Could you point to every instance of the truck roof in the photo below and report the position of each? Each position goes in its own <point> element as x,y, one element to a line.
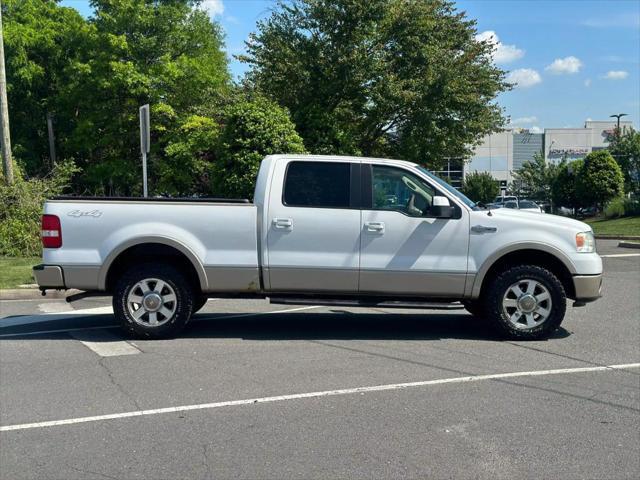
<point>333,158</point>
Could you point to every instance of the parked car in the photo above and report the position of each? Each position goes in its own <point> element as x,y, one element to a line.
<point>326,231</point>
<point>500,201</point>
<point>526,205</point>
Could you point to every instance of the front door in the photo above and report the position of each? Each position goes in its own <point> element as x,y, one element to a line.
<point>313,241</point>
<point>404,250</point>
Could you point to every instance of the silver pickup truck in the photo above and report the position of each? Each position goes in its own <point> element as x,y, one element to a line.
<point>326,231</point>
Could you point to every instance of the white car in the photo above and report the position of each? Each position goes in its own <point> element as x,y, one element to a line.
<point>324,230</point>
<point>526,205</point>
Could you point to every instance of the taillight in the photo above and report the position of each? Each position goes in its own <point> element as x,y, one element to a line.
<point>51,231</point>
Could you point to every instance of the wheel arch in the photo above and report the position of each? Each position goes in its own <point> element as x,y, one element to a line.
<point>543,255</point>
<point>151,249</point>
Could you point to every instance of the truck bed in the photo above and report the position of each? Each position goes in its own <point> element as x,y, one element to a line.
<point>218,236</point>
<point>151,199</point>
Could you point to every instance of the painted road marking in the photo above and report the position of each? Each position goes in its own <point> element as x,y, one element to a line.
<point>53,307</point>
<point>64,330</point>
<point>104,343</point>
<point>29,319</point>
<point>326,393</point>
<point>616,255</point>
<point>50,317</point>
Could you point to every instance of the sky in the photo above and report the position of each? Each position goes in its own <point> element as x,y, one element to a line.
<point>571,60</point>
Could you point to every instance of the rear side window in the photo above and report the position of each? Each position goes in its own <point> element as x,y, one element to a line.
<point>317,184</point>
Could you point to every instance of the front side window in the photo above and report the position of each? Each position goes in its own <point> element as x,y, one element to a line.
<point>317,184</point>
<point>397,189</point>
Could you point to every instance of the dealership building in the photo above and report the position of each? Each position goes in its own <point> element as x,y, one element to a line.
<point>504,152</point>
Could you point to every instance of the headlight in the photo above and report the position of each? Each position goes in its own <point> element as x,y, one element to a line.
<point>585,242</point>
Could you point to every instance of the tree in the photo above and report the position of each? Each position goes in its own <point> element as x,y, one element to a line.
<point>44,46</point>
<point>480,187</point>
<point>563,187</point>
<point>94,74</point>
<point>600,179</point>
<point>253,128</point>
<point>535,178</point>
<point>184,168</point>
<point>379,77</point>
<point>625,148</point>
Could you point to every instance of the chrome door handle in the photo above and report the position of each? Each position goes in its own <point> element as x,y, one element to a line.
<point>483,229</point>
<point>283,223</point>
<point>377,227</point>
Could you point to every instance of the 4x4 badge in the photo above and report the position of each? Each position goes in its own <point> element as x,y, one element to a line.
<point>79,213</point>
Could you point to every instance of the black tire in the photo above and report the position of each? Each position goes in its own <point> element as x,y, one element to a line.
<point>181,309</point>
<point>474,307</point>
<point>199,302</point>
<point>493,303</point>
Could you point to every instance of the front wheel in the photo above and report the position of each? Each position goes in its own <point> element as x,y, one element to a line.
<point>153,301</point>
<point>525,302</point>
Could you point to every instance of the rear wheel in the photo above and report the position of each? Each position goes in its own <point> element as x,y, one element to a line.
<point>153,301</point>
<point>525,302</point>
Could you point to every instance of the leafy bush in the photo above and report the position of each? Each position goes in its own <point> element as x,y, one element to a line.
<point>615,208</point>
<point>563,186</point>
<point>631,207</point>
<point>480,187</point>
<point>600,179</point>
<point>252,129</point>
<point>184,169</point>
<point>21,207</point>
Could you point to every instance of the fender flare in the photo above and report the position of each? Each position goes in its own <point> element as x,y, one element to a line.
<point>514,247</point>
<point>170,242</point>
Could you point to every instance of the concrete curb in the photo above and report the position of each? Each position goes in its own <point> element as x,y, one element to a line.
<point>33,294</point>
<point>617,237</point>
<point>629,244</point>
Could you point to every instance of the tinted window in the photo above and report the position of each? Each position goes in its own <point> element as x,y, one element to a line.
<point>527,204</point>
<point>317,184</point>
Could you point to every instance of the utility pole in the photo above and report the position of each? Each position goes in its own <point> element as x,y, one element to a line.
<point>7,163</point>
<point>52,144</point>
<point>145,144</point>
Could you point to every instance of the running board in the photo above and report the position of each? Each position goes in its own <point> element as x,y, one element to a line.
<point>370,303</point>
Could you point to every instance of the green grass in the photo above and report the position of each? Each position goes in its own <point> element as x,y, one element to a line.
<point>615,226</point>
<point>16,271</point>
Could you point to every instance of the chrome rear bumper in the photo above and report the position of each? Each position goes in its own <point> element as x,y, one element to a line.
<point>48,276</point>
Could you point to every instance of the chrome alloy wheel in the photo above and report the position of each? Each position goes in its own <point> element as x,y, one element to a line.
<point>527,304</point>
<point>152,302</point>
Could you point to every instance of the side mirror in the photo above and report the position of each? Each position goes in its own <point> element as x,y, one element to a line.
<point>441,208</point>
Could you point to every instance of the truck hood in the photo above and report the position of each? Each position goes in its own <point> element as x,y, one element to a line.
<point>544,219</point>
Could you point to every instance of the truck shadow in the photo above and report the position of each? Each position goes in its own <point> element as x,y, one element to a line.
<point>344,325</point>
<point>336,325</point>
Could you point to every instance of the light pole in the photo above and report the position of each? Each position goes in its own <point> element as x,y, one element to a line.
<point>618,116</point>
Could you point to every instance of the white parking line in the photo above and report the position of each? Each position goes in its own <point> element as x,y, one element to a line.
<point>616,255</point>
<point>28,319</point>
<point>64,330</point>
<point>326,393</point>
<point>50,317</point>
<point>105,344</point>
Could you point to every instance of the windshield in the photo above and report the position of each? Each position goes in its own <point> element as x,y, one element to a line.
<point>454,191</point>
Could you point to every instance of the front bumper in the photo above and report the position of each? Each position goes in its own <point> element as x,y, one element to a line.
<point>588,288</point>
<point>48,276</point>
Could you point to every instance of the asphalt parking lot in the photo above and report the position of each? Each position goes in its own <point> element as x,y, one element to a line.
<point>253,390</point>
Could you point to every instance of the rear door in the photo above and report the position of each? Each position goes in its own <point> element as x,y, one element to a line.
<point>313,238</point>
<point>404,249</point>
